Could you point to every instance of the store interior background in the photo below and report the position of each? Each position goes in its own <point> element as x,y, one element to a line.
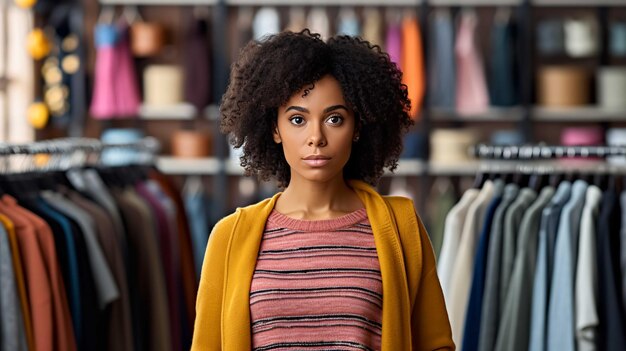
<point>566,72</point>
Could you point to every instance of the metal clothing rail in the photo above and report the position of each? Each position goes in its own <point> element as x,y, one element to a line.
<point>69,145</point>
<point>538,152</point>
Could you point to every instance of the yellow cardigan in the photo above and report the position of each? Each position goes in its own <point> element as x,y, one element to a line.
<point>414,312</point>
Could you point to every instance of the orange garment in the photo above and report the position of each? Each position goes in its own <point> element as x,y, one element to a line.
<point>412,63</point>
<point>37,280</point>
<point>63,329</point>
<point>19,277</point>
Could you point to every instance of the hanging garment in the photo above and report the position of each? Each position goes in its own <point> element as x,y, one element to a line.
<point>491,225</point>
<point>623,250</point>
<point>190,283</point>
<point>492,307</point>
<point>106,287</point>
<point>471,90</point>
<point>120,323</point>
<point>543,271</point>
<point>318,22</point>
<point>393,42</point>
<point>462,272</point>
<point>126,87</point>
<point>19,280</point>
<point>561,326</point>
<point>514,327</point>
<point>442,70</point>
<point>266,22</point>
<point>297,19</point>
<point>443,199</point>
<point>149,275</point>
<point>12,330</point>
<point>412,62</point>
<point>43,282</point>
<point>169,256</point>
<point>81,290</point>
<point>503,85</point>
<point>611,334</point>
<point>348,23</point>
<point>176,244</point>
<point>196,207</point>
<point>243,34</point>
<point>67,253</point>
<point>373,26</point>
<point>197,65</point>
<point>89,182</point>
<point>512,220</point>
<point>451,238</point>
<point>586,288</point>
<point>103,98</point>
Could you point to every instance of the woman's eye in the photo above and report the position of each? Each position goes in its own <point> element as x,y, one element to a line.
<point>335,120</point>
<point>297,120</point>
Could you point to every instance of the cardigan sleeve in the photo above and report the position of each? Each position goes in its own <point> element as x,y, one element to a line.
<point>207,333</point>
<point>430,325</point>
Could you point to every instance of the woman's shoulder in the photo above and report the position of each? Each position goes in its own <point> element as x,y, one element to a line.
<point>252,211</point>
<point>400,203</point>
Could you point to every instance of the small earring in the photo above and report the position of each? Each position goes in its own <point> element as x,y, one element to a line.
<point>356,138</point>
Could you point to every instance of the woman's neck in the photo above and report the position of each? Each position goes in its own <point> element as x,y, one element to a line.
<point>304,199</point>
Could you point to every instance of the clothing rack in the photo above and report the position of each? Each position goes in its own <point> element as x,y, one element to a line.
<point>66,153</point>
<point>535,152</point>
<point>65,145</point>
<point>544,159</point>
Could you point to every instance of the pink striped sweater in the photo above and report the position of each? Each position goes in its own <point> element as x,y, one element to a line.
<point>317,285</point>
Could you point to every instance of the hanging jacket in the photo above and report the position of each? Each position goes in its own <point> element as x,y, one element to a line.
<point>414,315</point>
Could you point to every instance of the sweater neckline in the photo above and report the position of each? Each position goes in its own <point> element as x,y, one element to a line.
<point>346,220</point>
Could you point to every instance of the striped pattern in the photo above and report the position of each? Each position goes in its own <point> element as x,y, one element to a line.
<point>317,285</point>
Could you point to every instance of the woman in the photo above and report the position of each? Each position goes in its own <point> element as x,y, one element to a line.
<point>327,263</point>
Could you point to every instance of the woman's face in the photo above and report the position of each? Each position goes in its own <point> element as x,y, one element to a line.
<point>316,131</point>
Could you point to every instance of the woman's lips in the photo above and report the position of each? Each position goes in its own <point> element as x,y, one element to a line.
<point>316,162</point>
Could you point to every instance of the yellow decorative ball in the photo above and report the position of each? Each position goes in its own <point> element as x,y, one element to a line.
<point>37,44</point>
<point>38,115</point>
<point>25,3</point>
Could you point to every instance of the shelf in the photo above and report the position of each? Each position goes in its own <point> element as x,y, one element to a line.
<point>233,167</point>
<point>475,2</point>
<point>159,2</point>
<point>578,114</point>
<point>366,2</point>
<point>460,168</point>
<point>512,114</point>
<point>188,166</point>
<point>181,111</point>
<point>586,3</point>
<point>408,167</point>
<point>325,2</point>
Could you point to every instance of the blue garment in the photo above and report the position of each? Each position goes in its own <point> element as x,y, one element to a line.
<point>474,306</point>
<point>196,208</point>
<point>612,328</point>
<point>541,285</point>
<point>503,87</point>
<point>442,73</point>
<point>561,326</point>
<point>73,291</point>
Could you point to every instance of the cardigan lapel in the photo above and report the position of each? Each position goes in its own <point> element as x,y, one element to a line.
<point>241,258</point>
<point>396,303</point>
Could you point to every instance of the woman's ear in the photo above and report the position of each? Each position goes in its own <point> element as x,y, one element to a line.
<point>276,135</point>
